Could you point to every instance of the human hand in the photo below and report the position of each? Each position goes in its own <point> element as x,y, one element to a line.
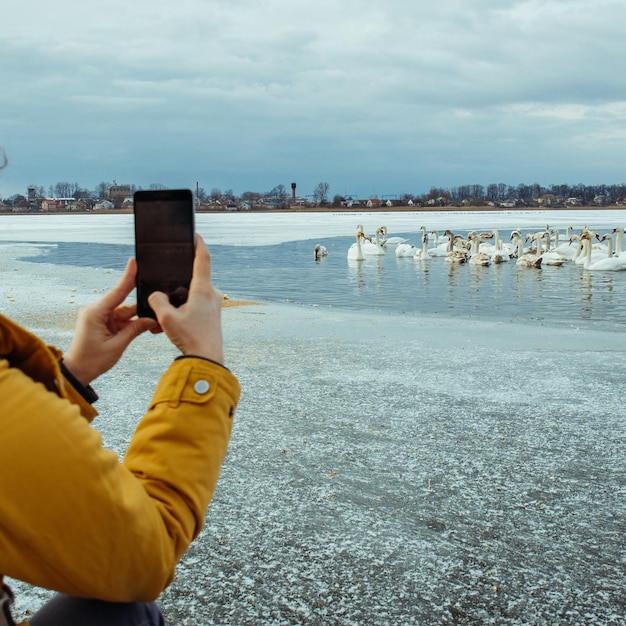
<point>104,330</point>
<point>195,327</point>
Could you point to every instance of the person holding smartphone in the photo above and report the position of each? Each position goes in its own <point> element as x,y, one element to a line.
<point>107,534</point>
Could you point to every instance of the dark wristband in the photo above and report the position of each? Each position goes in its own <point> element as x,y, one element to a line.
<point>193,356</point>
<point>86,392</point>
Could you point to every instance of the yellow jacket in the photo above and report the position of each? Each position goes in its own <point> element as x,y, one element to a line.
<point>75,519</point>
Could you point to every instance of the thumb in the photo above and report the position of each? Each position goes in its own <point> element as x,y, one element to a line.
<point>133,330</point>
<point>142,324</point>
<point>158,302</point>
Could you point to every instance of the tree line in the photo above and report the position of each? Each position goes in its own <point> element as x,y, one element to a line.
<point>279,195</point>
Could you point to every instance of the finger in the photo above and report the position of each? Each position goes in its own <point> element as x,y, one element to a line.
<point>132,330</point>
<point>201,279</point>
<point>159,303</point>
<point>142,324</point>
<point>125,312</point>
<point>120,292</point>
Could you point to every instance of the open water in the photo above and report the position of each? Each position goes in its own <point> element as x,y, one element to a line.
<point>270,258</point>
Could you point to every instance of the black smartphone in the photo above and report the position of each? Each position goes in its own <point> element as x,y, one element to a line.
<point>164,245</point>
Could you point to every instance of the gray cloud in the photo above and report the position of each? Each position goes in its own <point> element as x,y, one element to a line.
<point>367,95</point>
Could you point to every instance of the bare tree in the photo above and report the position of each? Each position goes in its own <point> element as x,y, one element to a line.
<point>63,189</point>
<point>320,193</point>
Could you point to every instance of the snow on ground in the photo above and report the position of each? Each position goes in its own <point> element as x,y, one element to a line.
<point>386,469</point>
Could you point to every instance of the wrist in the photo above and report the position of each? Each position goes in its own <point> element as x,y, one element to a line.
<point>74,368</point>
<point>204,358</point>
<point>85,390</point>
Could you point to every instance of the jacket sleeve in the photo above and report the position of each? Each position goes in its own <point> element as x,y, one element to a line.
<point>77,520</point>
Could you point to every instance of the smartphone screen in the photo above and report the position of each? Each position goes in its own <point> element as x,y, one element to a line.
<point>164,245</point>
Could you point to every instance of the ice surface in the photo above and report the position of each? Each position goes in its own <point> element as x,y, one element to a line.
<point>272,228</point>
<point>385,469</point>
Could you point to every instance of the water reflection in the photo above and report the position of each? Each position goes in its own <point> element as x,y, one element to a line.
<point>586,282</point>
<point>566,294</point>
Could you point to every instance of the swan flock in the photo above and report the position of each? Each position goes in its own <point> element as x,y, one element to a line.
<point>534,250</point>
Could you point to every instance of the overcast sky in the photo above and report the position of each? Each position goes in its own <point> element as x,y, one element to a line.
<point>374,97</point>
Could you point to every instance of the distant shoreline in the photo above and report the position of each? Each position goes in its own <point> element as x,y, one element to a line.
<point>354,210</point>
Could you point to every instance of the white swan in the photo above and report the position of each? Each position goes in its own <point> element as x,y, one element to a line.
<point>548,256</point>
<point>440,241</point>
<point>450,238</point>
<point>422,254</point>
<point>457,252</point>
<point>587,249</point>
<point>405,250</point>
<point>476,256</point>
<point>610,263</point>
<point>498,252</point>
<point>440,245</point>
<point>373,249</point>
<point>392,241</point>
<point>566,250</point>
<point>355,251</point>
<point>618,240</point>
<point>515,234</point>
<point>319,251</point>
<point>525,259</point>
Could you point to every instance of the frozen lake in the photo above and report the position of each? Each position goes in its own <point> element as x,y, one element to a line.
<point>269,257</point>
<point>386,467</point>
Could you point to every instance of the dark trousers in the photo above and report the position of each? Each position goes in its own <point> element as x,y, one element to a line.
<point>64,610</point>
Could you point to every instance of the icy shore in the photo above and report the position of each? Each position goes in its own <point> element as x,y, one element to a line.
<point>385,469</point>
